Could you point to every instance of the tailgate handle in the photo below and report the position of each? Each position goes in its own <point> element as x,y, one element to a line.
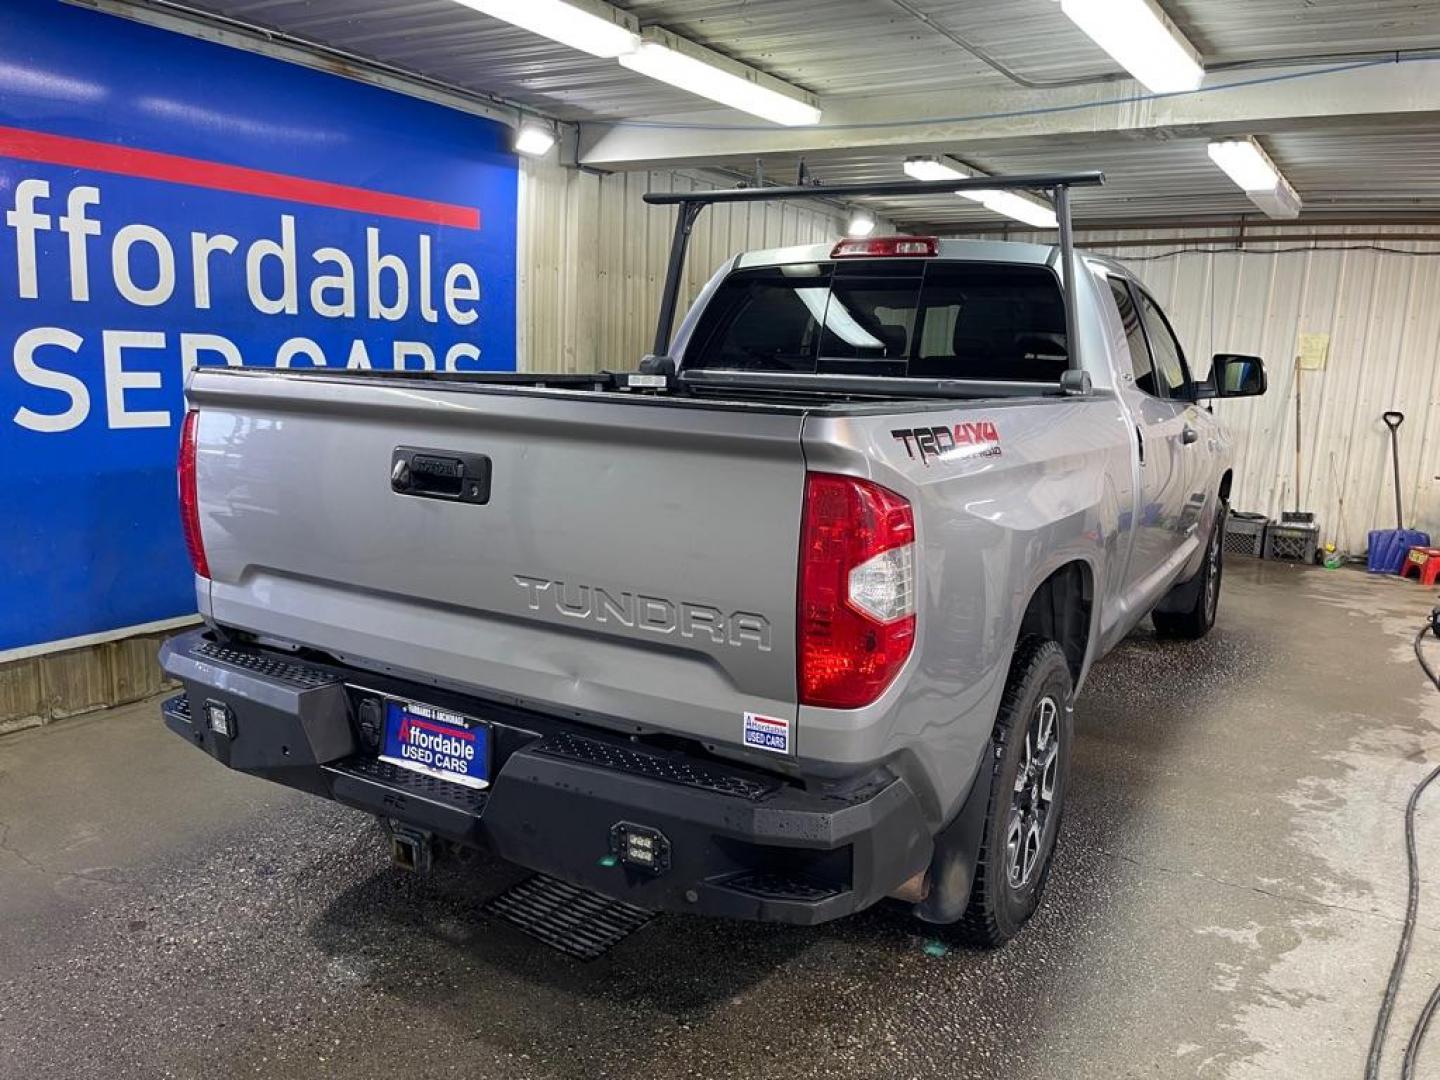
<point>440,474</point>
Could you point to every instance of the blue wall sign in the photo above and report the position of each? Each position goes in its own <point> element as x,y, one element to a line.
<point>169,202</point>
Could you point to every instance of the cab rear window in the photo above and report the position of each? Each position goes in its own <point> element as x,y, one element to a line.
<point>890,317</point>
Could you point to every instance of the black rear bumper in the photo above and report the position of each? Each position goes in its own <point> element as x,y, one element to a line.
<point>563,797</point>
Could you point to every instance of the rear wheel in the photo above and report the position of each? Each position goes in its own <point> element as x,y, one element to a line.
<point>1033,733</point>
<point>1196,621</point>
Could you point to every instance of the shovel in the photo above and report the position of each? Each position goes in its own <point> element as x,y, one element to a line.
<point>1393,420</point>
<point>1388,547</point>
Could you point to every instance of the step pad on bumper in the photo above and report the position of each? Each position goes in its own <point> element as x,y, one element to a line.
<point>300,675</point>
<point>655,765</point>
<point>433,788</point>
<point>574,921</point>
<point>782,886</point>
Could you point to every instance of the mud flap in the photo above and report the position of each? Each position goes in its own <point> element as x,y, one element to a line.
<point>957,847</point>
<point>1184,596</point>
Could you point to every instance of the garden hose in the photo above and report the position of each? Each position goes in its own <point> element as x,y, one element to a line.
<point>1412,904</point>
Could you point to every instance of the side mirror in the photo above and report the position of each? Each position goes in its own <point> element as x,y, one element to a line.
<point>1234,375</point>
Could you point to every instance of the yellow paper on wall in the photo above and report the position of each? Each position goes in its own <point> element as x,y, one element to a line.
<point>1314,348</point>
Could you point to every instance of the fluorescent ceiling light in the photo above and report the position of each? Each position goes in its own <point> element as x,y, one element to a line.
<point>1021,207</point>
<point>1011,204</point>
<point>1246,163</point>
<point>671,59</point>
<point>592,27</point>
<point>945,167</point>
<point>936,168</point>
<point>533,140</point>
<point>1142,39</point>
<point>862,223</point>
<point>1282,203</point>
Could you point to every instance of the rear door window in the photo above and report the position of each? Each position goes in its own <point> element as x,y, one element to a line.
<point>1164,346</point>
<point>1141,364</point>
<point>892,317</point>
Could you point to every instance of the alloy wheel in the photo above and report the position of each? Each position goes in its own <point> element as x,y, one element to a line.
<point>1212,578</point>
<point>1033,800</point>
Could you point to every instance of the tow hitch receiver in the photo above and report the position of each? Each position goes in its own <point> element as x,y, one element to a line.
<point>411,849</point>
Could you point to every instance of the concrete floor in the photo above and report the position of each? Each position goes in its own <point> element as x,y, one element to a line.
<point>1226,904</point>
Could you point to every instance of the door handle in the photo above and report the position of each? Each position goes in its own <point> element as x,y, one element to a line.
<point>1140,443</point>
<point>1189,435</point>
<point>440,474</point>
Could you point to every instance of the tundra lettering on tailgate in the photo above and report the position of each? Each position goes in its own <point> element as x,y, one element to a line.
<point>652,614</point>
<point>968,439</point>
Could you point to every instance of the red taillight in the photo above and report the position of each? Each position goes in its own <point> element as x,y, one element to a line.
<point>872,246</point>
<point>857,590</point>
<point>189,497</point>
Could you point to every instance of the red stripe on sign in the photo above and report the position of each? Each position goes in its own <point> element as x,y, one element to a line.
<point>152,165</point>
<point>439,729</point>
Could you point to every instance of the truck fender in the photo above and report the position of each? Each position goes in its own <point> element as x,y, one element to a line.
<point>1043,572</point>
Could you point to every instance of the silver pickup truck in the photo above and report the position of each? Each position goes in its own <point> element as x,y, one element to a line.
<point>789,621</point>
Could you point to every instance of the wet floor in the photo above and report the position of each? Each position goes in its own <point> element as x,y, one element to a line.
<point>1226,903</point>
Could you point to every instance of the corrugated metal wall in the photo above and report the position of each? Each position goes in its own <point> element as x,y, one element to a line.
<point>592,258</point>
<point>1381,309</point>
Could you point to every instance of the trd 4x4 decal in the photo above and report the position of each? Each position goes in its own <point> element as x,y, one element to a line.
<point>968,439</point>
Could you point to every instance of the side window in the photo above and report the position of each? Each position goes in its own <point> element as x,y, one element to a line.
<point>1139,349</point>
<point>1169,357</point>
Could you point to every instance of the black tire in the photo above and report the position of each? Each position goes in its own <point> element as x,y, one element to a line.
<point>1009,880</point>
<point>1195,623</point>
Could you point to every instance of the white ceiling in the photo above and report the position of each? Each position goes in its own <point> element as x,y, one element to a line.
<point>854,53</point>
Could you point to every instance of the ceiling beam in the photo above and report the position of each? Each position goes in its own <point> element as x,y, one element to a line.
<point>1264,100</point>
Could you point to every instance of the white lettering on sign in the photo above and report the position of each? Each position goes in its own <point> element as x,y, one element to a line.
<point>194,346</point>
<point>143,264</point>
<point>379,266</point>
<point>30,370</point>
<point>27,221</point>
<point>284,273</point>
<point>76,227</point>
<point>461,283</point>
<point>119,381</point>
<point>457,352</point>
<point>122,265</point>
<point>342,283</point>
<point>359,359</point>
<point>300,346</point>
<point>201,246</point>
<point>404,350</point>
<point>427,307</point>
<point>283,251</point>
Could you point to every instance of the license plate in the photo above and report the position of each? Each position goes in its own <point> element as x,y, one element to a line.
<point>437,743</point>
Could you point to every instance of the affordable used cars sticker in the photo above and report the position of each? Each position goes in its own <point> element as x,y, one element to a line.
<point>767,733</point>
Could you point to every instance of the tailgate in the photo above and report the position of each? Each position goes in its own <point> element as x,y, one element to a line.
<point>635,561</point>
